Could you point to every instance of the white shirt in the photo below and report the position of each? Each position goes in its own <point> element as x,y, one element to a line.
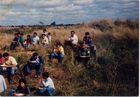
<point>2,84</point>
<point>48,83</point>
<point>35,39</point>
<point>75,39</point>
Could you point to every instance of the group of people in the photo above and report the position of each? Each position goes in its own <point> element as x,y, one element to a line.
<point>19,39</point>
<point>84,53</point>
<point>9,63</point>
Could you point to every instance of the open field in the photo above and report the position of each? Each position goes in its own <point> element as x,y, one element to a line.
<point>114,73</point>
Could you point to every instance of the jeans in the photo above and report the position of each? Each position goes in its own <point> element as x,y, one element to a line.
<point>37,67</point>
<point>45,44</point>
<point>58,56</point>
<point>28,45</point>
<point>11,70</point>
<point>22,44</point>
<point>47,92</point>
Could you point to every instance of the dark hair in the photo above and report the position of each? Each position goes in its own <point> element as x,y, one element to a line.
<point>28,36</point>
<point>5,54</point>
<point>45,74</point>
<point>44,30</point>
<point>87,33</point>
<point>72,31</point>
<point>35,54</point>
<point>22,80</point>
<point>43,34</point>
<point>0,55</point>
<point>18,33</point>
<point>21,34</point>
<point>49,33</point>
<point>58,43</point>
<point>35,33</point>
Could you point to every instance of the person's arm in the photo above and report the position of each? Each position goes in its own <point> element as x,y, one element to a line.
<point>13,62</point>
<point>27,92</point>
<point>17,89</point>
<point>91,42</point>
<point>41,60</point>
<point>45,84</point>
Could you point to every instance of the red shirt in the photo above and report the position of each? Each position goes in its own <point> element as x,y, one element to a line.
<point>1,60</point>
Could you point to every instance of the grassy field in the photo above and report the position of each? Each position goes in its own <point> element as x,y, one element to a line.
<point>114,73</point>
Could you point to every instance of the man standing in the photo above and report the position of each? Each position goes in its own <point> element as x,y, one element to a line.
<point>58,52</point>
<point>35,62</point>
<point>10,65</point>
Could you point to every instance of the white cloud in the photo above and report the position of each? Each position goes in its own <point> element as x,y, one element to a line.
<point>83,2</point>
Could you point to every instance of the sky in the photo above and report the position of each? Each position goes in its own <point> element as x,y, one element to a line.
<point>31,12</point>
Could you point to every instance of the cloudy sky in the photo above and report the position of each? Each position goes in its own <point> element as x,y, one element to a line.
<point>30,12</point>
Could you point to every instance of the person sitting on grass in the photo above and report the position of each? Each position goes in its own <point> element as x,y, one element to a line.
<point>49,36</point>
<point>10,65</point>
<point>2,84</point>
<point>35,39</point>
<point>89,44</point>
<point>84,55</point>
<point>1,59</point>
<point>48,84</point>
<point>35,62</point>
<point>45,32</point>
<point>28,41</point>
<point>21,90</point>
<point>73,39</point>
<point>14,42</point>
<point>58,52</point>
<point>44,40</point>
<point>21,40</point>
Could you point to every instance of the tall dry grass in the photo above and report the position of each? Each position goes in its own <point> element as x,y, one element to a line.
<point>117,47</point>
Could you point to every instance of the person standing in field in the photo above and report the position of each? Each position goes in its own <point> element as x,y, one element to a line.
<point>48,84</point>
<point>10,65</point>
<point>58,52</point>
<point>35,39</point>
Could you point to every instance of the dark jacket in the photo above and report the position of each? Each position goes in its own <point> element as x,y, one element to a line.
<point>26,90</point>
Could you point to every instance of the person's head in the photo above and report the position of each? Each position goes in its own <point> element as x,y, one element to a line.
<point>22,82</point>
<point>35,34</point>
<point>6,56</point>
<point>87,34</point>
<point>45,75</point>
<point>58,44</point>
<point>43,36</point>
<point>28,36</point>
<point>35,55</point>
<point>44,30</point>
<point>21,34</point>
<point>72,33</point>
<point>84,46</point>
<point>49,33</point>
<point>0,55</point>
<point>16,35</point>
